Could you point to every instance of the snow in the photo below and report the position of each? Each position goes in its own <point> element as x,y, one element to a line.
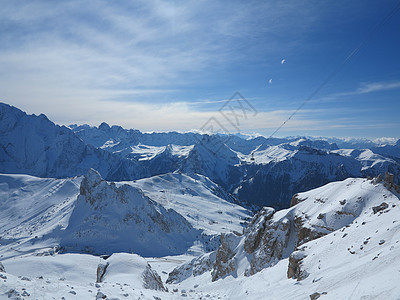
<point>359,258</point>
<point>198,199</point>
<point>178,223</point>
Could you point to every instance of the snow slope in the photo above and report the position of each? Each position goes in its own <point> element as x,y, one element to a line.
<point>202,202</point>
<point>31,208</point>
<point>108,218</point>
<point>95,216</point>
<point>342,239</point>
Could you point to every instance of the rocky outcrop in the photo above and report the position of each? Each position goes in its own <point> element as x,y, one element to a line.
<point>265,241</point>
<point>272,236</point>
<point>196,267</point>
<point>224,262</point>
<point>380,207</point>
<point>125,218</point>
<point>2,269</point>
<point>294,267</point>
<point>390,184</point>
<point>101,270</point>
<point>152,281</point>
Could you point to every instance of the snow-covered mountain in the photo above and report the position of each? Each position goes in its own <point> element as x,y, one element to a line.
<point>258,171</point>
<point>88,214</point>
<point>167,221</point>
<point>108,218</point>
<point>34,145</point>
<point>339,239</point>
<point>202,202</point>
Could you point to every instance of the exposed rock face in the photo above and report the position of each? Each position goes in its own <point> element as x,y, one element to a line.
<point>379,208</point>
<point>152,281</point>
<point>196,267</point>
<point>101,270</point>
<point>265,241</point>
<point>294,267</point>
<point>271,236</point>
<point>390,184</point>
<point>295,200</point>
<point>224,264</point>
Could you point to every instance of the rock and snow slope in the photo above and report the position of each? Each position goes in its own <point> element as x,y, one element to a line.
<point>202,202</point>
<point>354,221</point>
<point>339,241</point>
<point>31,208</point>
<point>93,215</point>
<point>108,218</point>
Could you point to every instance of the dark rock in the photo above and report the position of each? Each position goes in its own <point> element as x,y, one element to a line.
<point>294,267</point>
<point>382,206</point>
<point>2,269</point>
<point>315,296</point>
<point>101,270</point>
<point>100,296</point>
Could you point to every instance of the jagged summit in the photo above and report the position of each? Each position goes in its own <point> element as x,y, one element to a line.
<point>109,218</point>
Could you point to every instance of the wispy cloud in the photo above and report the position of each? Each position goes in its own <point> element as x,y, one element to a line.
<point>128,62</point>
<point>146,44</point>
<point>377,87</point>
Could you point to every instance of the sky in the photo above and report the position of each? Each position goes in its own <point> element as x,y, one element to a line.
<point>221,66</point>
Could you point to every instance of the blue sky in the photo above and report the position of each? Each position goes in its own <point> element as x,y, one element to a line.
<point>171,65</point>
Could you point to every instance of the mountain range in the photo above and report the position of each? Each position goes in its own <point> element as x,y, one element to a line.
<point>256,171</point>
<point>110,213</point>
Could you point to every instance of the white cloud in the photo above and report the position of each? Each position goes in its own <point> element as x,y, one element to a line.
<point>377,87</point>
<point>75,62</point>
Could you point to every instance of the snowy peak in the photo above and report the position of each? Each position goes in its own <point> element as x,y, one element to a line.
<point>109,218</point>
<point>91,180</point>
<point>36,146</point>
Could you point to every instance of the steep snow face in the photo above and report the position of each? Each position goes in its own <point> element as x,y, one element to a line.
<point>272,236</point>
<point>34,145</point>
<point>109,218</point>
<point>202,202</point>
<point>31,208</point>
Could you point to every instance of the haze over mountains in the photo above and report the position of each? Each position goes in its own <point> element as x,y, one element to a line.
<point>106,212</point>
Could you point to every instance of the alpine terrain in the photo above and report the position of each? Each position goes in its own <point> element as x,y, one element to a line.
<point>111,213</point>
